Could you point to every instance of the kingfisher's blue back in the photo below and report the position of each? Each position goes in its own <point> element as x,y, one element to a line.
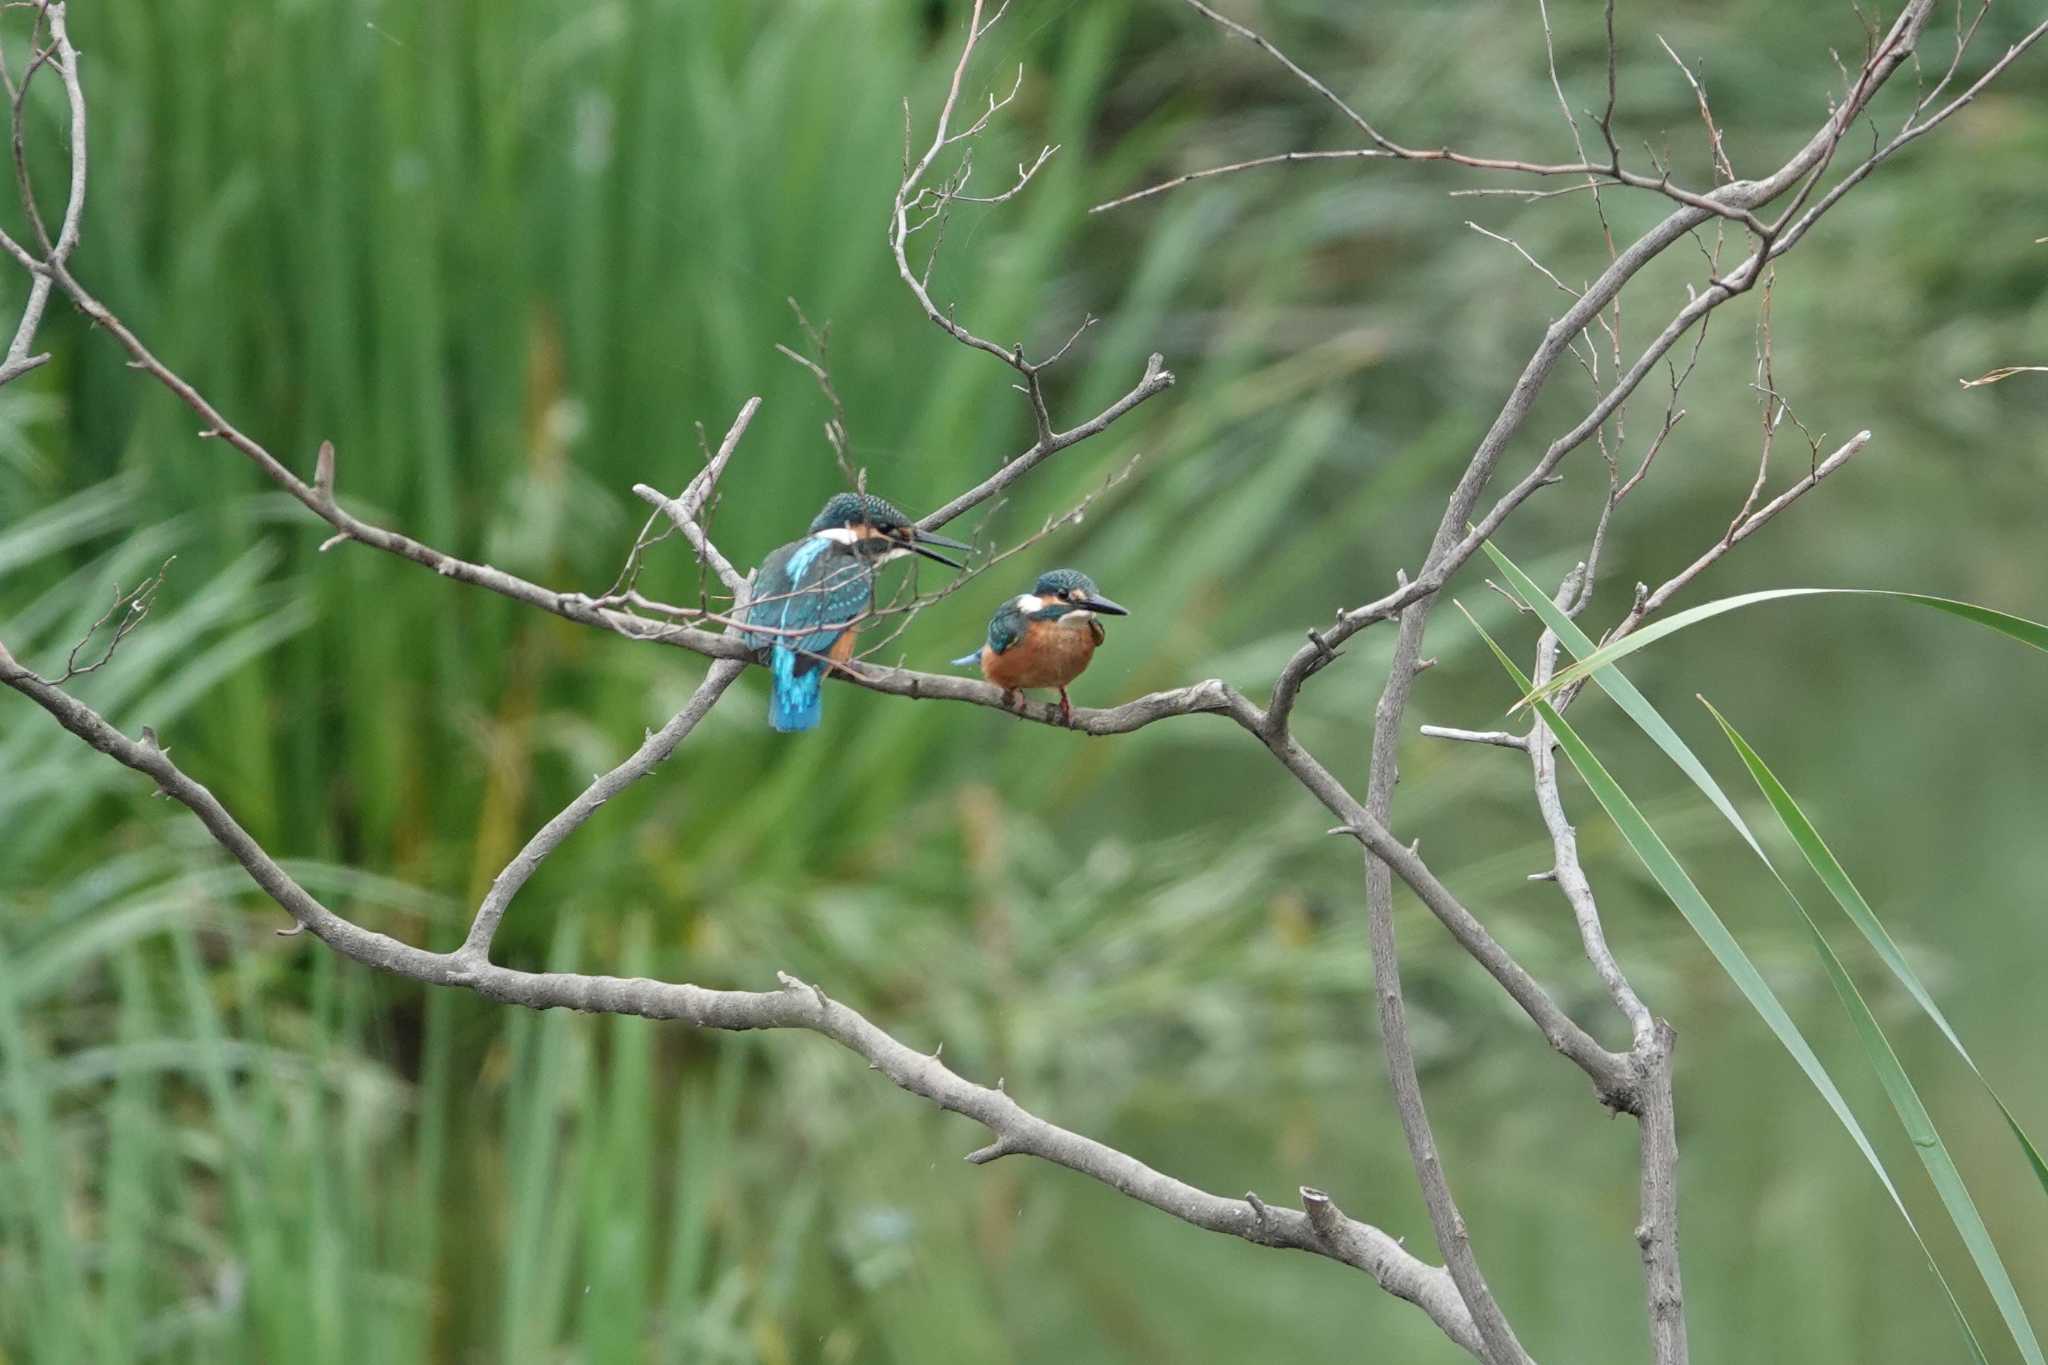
<point>814,589</point>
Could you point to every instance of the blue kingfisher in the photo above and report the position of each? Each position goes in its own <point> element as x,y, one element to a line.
<point>1044,638</point>
<point>810,592</point>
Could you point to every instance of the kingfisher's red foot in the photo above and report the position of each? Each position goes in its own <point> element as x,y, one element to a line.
<point>1066,710</point>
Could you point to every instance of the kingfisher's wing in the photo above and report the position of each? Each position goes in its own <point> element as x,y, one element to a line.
<point>809,583</point>
<point>1006,627</point>
<point>771,587</point>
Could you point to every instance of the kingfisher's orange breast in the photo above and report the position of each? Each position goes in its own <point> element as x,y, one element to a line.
<point>1047,654</point>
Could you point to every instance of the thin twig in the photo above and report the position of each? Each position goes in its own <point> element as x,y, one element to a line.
<point>131,608</point>
<point>820,339</point>
<point>1614,171</point>
<point>1277,159</point>
<point>684,511</point>
<point>1716,147</point>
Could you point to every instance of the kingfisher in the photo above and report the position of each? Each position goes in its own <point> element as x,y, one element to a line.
<point>810,592</point>
<point>1045,637</point>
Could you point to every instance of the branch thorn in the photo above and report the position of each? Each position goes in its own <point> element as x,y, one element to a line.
<point>981,1156</point>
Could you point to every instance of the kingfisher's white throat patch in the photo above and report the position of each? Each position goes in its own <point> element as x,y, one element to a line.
<point>845,535</point>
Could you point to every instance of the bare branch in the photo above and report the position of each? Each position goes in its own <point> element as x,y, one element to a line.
<point>1567,872</point>
<point>1526,196</point>
<point>1157,379</point>
<point>1541,269</point>
<point>1607,114</point>
<point>476,948</point>
<point>1323,1230</point>
<point>1458,536</point>
<point>686,513</point>
<point>912,194</point>
<point>1788,237</point>
<point>1608,1072</point>
<point>1774,408</point>
<point>1657,1199</point>
<point>1657,1232</point>
<point>1501,1345</point>
<point>1498,738</point>
<point>1370,1249</point>
<point>1592,182</point>
<point>1024,175</point>
<point>1211,697</point>
<point>1745,527</point>
<point>1673,414</point>
<point>64,57</point>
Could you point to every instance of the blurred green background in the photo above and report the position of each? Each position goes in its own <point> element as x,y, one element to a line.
<point>509,255</point>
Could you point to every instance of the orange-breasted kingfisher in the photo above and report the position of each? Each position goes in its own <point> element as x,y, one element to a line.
<point>810,592</point>
<point>1045,638</point>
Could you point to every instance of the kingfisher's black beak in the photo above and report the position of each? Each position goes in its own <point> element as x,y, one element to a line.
<point>920,539</point>
<point>1103,606</point>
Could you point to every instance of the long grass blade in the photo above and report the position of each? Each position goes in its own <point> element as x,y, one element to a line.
<point>2032,634</point>
<point>1934,1155</point>
<point>1833,876</point>
<point>1623,691</point>
<point>1810,844</point>
<point>1676,884</point>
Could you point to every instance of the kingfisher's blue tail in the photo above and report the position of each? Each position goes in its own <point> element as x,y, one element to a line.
<point>794,700</point>
<point>965,659</point>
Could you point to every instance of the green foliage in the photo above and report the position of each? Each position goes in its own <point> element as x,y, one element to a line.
<point>1832,875</point>
<point>1596,664</point>
<point>1672,878</point>
<point>1919,1125</point>
<point>2030,633</point>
